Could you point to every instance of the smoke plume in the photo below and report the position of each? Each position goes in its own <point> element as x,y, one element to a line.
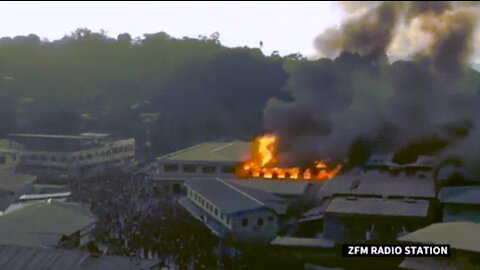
<point>360,102</point>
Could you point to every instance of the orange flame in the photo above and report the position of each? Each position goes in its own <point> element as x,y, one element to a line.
<point>263,164</point>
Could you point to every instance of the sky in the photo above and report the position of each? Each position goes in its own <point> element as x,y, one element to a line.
<point>287,27</point>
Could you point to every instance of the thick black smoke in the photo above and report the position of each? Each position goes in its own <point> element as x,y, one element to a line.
<point>358,103</point>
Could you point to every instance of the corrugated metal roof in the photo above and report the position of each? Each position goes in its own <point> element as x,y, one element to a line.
<point>236,151</point>
<point>459,235</point>
<point>378,207</point>
<point>279,187</point>
<point>302,242</point>
<point>34,258</point>
<point>231,198</point>
<point>380,184</point>
<point>226,197</point>
<point>43,223</point>
<point>463,195</point>
<point>13,181</point>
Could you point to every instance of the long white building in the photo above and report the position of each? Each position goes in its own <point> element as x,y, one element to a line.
<point>68,156</point>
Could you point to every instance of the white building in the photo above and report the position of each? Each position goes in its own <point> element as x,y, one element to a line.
<point>234,212</point>
<point>68,156</point>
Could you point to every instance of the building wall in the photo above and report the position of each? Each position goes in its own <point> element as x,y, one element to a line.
<point>188,169</point>
<point>346,228</point>
<point>259,225</point>
<point>461,212</point>
<point>207,206</point>
<point>72,163</point>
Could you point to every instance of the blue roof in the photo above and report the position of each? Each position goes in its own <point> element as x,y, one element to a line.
<point>461,195</point>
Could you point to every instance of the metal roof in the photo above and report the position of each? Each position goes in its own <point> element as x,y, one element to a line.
<point>236,151</point>
<point>233,198</point>
<point>302,242</point>
<point>378,207</point>
<point>279,187</point>
<point>43,223</point>
<point>461,195</point>
<point>459,235</point>
<point>224,196</point>
<point>13,181</point>
<point>33,258</point>
<point>380,184</point>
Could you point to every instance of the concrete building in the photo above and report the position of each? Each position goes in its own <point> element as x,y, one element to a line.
<point>460,203</point>
<point>12,187</point>
<point>352,219</point>
<point>206,160</point>
<point>47,224</point>
<point>368,206</point>
<point>216,160</point>
<point>230,211</point>
<point>68,156</point>
<point>463,238</point>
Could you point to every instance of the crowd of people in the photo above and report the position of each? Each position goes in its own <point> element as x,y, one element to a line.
<point>133,220</point>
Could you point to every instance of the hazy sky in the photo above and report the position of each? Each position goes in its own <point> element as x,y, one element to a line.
<point>288,27</point>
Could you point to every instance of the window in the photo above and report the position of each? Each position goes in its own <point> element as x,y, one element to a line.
<point>228,169</point>
<point>189,168</point>
<point>3,160</point>
<point>176,188</point>
<point>33,157</point>
<point>170,167</point>
<point>245,222</point>
<point>80,158</point>
<point>208,169</point>
<point>53,158</point>
<point>216,212</point>
<point>228,220</point>
<point>64,159</point>
<point>89,156</point>
<point>222,216</point>
<point>260,222</point>
<point>43,157</point>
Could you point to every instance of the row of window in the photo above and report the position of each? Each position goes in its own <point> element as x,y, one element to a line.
<point>209,207</point>
<point>191,168</point>
<point>89,156</point>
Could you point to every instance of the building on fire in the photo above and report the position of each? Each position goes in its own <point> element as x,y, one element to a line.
<point>70,156</point>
